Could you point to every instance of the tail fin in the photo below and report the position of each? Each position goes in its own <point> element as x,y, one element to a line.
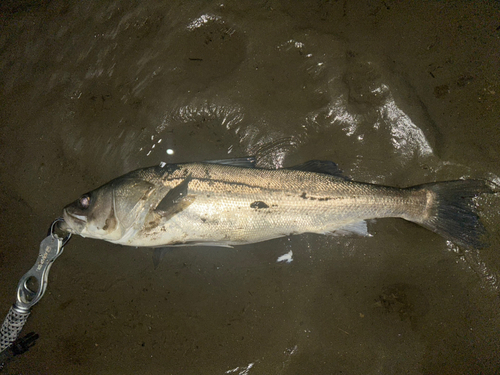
<point>453,212</point>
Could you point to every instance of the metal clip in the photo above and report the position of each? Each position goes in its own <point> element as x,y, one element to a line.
<point>31,287</point>
<point>33,284</point>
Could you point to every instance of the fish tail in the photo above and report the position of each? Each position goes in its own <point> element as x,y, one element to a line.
<point>452,212</point>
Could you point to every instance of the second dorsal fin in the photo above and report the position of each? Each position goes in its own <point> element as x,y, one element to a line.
<point>320,166</point>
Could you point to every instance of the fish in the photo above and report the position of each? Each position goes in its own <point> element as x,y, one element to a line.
<point>233,202</point>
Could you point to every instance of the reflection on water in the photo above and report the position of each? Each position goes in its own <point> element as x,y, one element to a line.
<point>93,90</point>
<point>376,120</point>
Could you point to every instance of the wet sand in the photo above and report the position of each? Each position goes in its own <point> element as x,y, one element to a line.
<point>396,93</point>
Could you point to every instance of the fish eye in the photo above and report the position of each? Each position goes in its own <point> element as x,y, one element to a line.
<point>84,201</point>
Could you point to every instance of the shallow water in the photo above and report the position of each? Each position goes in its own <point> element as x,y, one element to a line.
<point>395,93</point>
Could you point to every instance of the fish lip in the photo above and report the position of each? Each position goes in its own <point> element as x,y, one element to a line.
<point>78,218</point>
<point>63,225</point>
<point>73,220</point>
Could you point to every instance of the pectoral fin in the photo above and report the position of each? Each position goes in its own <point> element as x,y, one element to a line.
<point>176,200</point>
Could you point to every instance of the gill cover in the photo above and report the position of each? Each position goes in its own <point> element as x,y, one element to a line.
<point>130,198</point>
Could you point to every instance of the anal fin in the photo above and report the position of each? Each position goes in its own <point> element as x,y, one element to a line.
<point>360,228</point>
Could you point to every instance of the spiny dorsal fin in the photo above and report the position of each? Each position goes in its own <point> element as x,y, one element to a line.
<point>320,166</point>
<point>247,162</point>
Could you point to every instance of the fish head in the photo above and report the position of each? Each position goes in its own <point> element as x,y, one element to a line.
<point>93,215</point>
<point>113,212</point>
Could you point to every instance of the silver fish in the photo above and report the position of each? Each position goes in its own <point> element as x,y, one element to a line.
<point>226,203</point>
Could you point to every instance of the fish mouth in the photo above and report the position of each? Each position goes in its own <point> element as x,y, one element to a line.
<point>63,226</point>
<point>73,223</point>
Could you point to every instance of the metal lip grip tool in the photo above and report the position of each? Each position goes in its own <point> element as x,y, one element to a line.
<point>32,286</point>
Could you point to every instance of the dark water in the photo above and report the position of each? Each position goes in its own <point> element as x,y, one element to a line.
<point>398,93</point>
